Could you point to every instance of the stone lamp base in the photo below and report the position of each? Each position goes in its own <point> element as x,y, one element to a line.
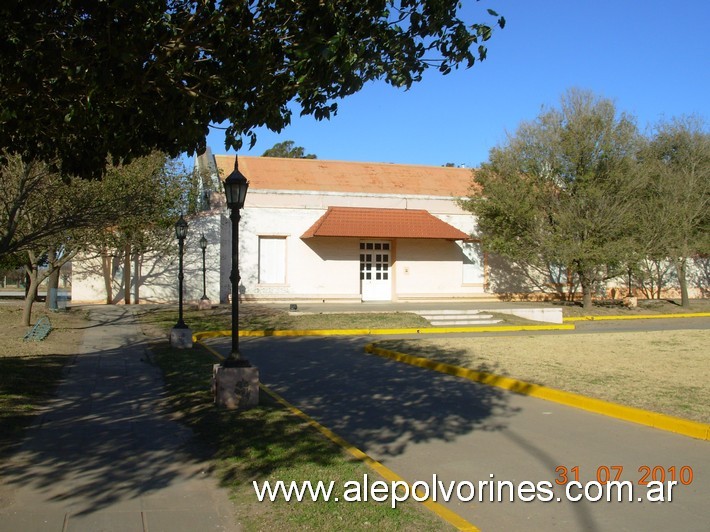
<point>181,338</point>
<point>631,301</point>
<point>235,387</point>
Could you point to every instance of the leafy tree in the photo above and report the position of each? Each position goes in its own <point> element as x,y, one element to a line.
<point>81,81</point>
<point>11,265</point>
<point>675,204</point>
<point>49,220</point>
<point>35,205</point>
<point>152,191</point>
<point>557,195</point>
<point>288,150</point>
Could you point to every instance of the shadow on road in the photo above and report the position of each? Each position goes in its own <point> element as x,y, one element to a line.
<point>375,403</point>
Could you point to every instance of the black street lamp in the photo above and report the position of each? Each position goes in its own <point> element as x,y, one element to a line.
<point>180,233</point>
<point>235,188</point>
<point>203,246</point>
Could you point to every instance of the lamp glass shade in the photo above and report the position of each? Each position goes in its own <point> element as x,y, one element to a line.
<point>235,188</point>
<point>203,242</point>
<point>181,228</point>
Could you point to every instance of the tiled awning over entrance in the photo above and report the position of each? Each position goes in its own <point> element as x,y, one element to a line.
<point>382,223</point>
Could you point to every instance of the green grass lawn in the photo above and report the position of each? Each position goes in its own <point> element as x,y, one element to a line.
<point>270,443</point>
<point>256,317</point>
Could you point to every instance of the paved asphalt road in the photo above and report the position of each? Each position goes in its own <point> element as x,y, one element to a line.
<point>602,327</point>
<point>419,423</point>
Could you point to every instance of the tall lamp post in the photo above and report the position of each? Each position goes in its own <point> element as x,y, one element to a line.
<point>180,233</point>
<point>235,188</point>
<point>203,247</point>
<point>180,334</point>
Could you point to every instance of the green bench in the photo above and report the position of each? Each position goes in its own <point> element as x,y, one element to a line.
<point>39,330</point>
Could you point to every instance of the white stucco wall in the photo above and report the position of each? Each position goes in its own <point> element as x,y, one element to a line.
<point>156,272</point>
<point>315,268</point>
<point>328,268</point>
<point>427,268</point>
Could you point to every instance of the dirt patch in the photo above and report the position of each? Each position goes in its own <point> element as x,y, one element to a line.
<point>662,371</point>
<point>64,339</point>
<point>30,371</point>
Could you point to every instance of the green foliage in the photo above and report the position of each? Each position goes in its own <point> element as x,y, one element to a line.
<point>83,81</point>
<point>11,262</point>
<point>44,214</point>
<point>675,204</point>
<point>558,193</point>
<point>257,317</point>
<point>677,163</point>
<point>288,150</point>
<point>37,205</point>
<point>40,207</point>
<point>149,193</point>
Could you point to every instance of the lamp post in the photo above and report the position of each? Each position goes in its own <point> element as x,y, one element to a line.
<point>235,189</point>
<point>180,233</point>
<point>203,246</point>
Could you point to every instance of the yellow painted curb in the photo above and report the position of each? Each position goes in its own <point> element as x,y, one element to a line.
<point>447,515</point>
<point>639,317</point>
<point>685,427</point>
<point>196,337</point>
<point>368,332</point>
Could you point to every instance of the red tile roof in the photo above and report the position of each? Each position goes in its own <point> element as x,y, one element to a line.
<point>382,223</point>
<point>273,173</point>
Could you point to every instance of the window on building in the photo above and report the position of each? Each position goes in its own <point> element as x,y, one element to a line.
<point>272,260</point>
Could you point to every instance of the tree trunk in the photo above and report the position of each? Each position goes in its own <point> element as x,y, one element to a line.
<point>31,294</point>
<point>52,281</point>
<point>27,284</point>
<point>127,274</point>
<point>586,292</point>
<point>106,270</point>
<point>570,285</point>
<point>680,267</point>
<point>136,278</point>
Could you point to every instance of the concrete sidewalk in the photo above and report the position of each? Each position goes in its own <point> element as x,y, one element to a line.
<point>105,455</point>
<point>419,423</point>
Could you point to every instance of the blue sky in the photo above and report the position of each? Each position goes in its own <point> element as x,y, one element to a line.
<point>651,57</point>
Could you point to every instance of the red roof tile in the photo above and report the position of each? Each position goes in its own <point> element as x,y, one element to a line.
<point>273,173</point>
<point>382,223</point>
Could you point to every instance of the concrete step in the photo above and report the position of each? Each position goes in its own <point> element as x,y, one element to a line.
<point>442,318</point>
<point>471,317</point>
<point>466,312</point>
